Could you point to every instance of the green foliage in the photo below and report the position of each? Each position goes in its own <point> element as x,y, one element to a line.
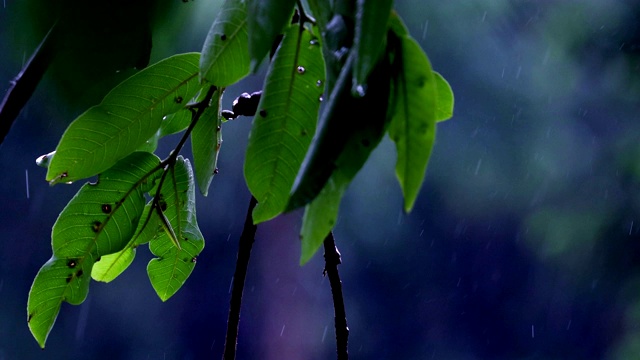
<point>127,117</point>
<point>225,59</point>
<point>173,265</point>
<point>99,220</point>
<point>373,74</point>
<point>205,149</point>
<point>285,123</point>
<point>267,19</point>
<point>369,40</point>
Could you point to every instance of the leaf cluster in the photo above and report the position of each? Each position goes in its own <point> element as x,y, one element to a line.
<point>355,58</point>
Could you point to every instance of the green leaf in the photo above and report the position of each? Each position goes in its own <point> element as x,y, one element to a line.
<point>321,11</point>
<point>58,280</point>
<point>285,123</point>
<point>175,123</point>
<point>445,100</point>
<point>225,59</point>
<point>321,214</point>
<point>267,19</point>
<point>99,220</point>
<point>110,266</point>
<point>127,117</point>
<point>206,140</point>
<point>172,267</point>
<point>413,128</point>
<point>369,41</point>
<point>345,119</point>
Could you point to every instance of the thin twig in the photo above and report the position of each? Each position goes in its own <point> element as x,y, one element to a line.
<point>332,260</point>
<point>242,263</point>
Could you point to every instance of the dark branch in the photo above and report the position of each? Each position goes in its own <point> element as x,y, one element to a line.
<point>242,263</point>
<point>332,260</point>
<point>23,86</point>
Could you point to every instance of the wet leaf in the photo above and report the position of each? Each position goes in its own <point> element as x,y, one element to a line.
<point>111,266</point>
<point>413,128</point>
<point>175,123</point>
<point>127,117</point>
<point>266,19</point>
<point>285,122</point>
<point>345,119</point>
<point>321,214</point>
<point>169,271</point>
<point>370,38</point>
<point>99,220</point>
<point>224,58</point>
<point>206,140</point>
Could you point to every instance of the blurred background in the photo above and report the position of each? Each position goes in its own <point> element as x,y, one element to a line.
<point>524,242</point>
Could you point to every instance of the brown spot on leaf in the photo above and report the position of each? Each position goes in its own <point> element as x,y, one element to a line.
<point>69,278</point>
<point>106,208</point>
<point>178,99</point>
<point>72,263</point>
<point>263,113</point>
<point>30,317</point>
<point>79,273</point>
<point>95,226</point>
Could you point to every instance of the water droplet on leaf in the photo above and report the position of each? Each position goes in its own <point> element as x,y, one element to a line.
<point>301,70</point>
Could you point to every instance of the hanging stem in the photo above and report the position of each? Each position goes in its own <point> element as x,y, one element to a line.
<point>332,260</point>
<point>242,263</point>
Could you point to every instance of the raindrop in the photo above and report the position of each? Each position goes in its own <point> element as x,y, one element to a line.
<point>106,208</point>
<point>319,83</point>
<point>71,263</point>
<point>223,37</point>
<point>194,259</point>
<point>320,98</point>
<point>301,70</point>
<point>215,171</point>
<point>360,90</point>
<point>26,178</point>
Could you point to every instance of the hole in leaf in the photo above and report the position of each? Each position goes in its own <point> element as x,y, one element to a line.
<point>223,37</point>
<point>106,208</point>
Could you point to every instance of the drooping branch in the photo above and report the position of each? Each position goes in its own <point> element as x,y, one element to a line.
<point>332,260</point>
<point>242,263</point>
